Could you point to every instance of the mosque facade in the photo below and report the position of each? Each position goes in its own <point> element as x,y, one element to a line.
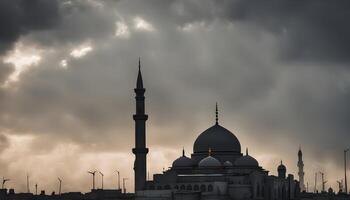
<point>217,168</point>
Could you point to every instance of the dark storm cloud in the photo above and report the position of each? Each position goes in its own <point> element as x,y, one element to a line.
<point>307,30</point>
<point>19,17</point>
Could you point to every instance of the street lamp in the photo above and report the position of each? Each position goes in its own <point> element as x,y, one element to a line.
<point>118,173</point>
<point>124,188</point>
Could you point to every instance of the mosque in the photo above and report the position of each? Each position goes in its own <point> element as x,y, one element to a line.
<point>217,168</point>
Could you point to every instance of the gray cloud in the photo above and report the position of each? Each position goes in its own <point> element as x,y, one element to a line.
<point>277,72</point>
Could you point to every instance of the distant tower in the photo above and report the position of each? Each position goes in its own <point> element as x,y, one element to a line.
<point>140,149</point>
<point>282,171</point>
<point>301,170</point>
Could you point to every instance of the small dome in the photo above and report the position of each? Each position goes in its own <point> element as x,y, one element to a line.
<point>228,164</point>
<point>247,160</point>
<point>183,161</point>
<point>209,162</point>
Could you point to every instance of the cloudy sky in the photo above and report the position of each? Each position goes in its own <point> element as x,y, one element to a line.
<point>279,71</point>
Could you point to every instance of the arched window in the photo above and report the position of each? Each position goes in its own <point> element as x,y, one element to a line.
<point>196,188</point>
<point>203,188</point>
<point>182,187</point>
<point>167,187</point>
<point>210,188</point>
<point>189,187</point>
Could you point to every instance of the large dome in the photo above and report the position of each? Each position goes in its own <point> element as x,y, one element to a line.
<point>217,138</point>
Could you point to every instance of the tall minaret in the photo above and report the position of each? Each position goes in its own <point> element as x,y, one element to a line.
<point>301,170</point>
<point>140,149</point>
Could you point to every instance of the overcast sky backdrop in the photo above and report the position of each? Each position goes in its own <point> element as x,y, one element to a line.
<point>279,71</point>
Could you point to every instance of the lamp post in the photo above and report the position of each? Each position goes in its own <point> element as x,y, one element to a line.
<point>101,177</point>
<point>118,173</point>
<point>124,188</point>
<point>93,178</point>
<point>59,186</point>
<point>346,181</point>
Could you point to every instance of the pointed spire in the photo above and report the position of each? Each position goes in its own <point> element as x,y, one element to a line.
<point>139,83</point>
<point>183,151</point>
<point>246,151</point>
<point>281,162</point>
<point>209,152</point>
<point>216,114</point>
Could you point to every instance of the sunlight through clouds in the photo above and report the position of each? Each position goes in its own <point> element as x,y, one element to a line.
<point>22,58</point>
<point>81,51</point>
<point>122,30</point>
<point>143,25</point>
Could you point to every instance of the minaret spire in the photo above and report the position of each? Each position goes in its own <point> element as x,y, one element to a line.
<point>183,151</point>
<point>140,150</point>
<point>139,82</point>
<point>246,151</point>
<point>216,114</point>
<point>301,170</point>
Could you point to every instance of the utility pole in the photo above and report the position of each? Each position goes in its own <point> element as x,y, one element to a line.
<point>3,182</point>
<point>102,178</point>
<point>124,188</point>
<point>60,186</point>
<point>36,189</point>
<point>118,173</point>
<point>93,178</point>
<point>346,181</point>
<point>323,182</point>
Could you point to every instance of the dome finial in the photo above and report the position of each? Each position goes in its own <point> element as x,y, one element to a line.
<point>209,152</point>
<point>246,151</point>
<point>216,114</point>
<point>281,162</point>
<point>183,151</point>
<point>139,64</point>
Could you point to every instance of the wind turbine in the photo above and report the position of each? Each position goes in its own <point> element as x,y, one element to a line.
<point>118,173</point>
<point>4,181</point>
<point>93,178</point>
<point>101,177</point>
<point>60,186</point>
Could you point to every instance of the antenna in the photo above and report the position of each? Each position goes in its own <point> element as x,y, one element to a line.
<point>93,178</point>
<point>101,177</point>
<point>60,186</point>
